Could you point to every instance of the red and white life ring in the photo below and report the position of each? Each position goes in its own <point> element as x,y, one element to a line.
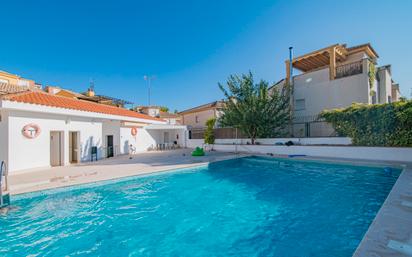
<point>133,131</point>
<point>31,131</point>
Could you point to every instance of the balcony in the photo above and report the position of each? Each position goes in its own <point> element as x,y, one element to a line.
<point>349,69</point>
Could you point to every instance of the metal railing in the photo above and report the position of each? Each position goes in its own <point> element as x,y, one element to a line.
<point>4,186</point>
<point>349,69</point>
<point>305,126</point>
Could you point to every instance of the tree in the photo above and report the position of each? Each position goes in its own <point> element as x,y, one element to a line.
<point>252,109</point>
<point>209,134</point>
<point>164,109</point>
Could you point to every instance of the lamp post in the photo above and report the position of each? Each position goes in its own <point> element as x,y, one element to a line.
<point>149,79</point>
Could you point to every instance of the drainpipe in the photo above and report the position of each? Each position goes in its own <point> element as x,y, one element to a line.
<point>290,64</point>
<point>291,92</point>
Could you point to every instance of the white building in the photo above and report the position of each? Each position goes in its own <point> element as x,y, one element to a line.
<point>336,77</point>
<point>156,111</point>
<point>39,130</point>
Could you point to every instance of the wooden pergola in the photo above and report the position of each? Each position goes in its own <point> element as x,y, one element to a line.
<point>324,57</point>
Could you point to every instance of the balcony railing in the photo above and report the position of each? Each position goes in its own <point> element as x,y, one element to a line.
<point>349,69</point>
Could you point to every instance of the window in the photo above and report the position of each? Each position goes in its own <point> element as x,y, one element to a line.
<point>5,81</point>
<point>300,104</point>
<point>197,119</point>
<point>389,99</point>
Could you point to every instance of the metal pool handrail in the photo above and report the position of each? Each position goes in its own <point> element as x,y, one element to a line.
<point>3,172</point>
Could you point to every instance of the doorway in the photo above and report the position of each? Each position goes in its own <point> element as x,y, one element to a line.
<point>166,137</point>
<point>110,150</point>
<point>74,153</point>
<point>56,148</point>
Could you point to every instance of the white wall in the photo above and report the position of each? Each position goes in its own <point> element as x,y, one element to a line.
<point>142,141</point>
<point>401,154</point>
<point>321,93</point>
<point>152,137</point>
<point>147,138</point>
<point>385,85</point>
<point>4,136</point>
<point>126,138</point>
<point>192,143</point>
<point>111,127</point>
<point>27,153</point>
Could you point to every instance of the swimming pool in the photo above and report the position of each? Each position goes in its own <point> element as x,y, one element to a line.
<point>250,206</point>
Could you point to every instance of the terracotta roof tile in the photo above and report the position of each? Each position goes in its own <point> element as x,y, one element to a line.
<point>45,99</point>
<point>6,88</point>
<point>215,104</point>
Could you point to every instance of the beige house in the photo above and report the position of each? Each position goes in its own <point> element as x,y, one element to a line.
<point>16,81</point>
<point>336,77</point>
<point>196,117</point>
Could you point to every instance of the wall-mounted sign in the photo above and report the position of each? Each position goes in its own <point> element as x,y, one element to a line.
<point>31,131</point>
<point>133,131</point>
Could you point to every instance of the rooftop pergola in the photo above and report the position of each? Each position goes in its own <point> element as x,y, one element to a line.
<point>326,57</point>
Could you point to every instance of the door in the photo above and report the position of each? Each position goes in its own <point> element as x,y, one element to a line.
<point>74,147</point>
<point>110,151</point>
<point>56,148</point>
<point>166,137</point>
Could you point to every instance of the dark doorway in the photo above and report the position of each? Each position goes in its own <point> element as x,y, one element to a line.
<point>110,151</point>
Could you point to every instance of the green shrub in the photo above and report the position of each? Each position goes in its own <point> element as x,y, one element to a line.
<point>209,134</point>
<point>374,125</point>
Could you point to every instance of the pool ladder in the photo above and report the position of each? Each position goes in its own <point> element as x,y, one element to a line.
<point>4,186</point>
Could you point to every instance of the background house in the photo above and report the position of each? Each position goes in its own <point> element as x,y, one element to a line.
<point>152,110</point>
<point>156,111</point>
<point>196,117</point>
<point>335,77</point>
<point>89,95</point>
<point>7,78</point>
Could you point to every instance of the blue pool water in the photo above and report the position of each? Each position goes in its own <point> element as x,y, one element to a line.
<point>245,207</point>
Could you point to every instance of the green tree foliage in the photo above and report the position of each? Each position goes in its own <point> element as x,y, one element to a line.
<point>209,134</point>
<point>252,109</point>
<point>164,109</point>
<point>374,125</point>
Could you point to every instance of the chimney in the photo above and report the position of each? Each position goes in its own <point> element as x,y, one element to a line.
<point>90,92</point>
<point>52,90</point>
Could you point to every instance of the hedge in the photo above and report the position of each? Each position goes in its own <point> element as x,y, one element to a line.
<point>374,125</point>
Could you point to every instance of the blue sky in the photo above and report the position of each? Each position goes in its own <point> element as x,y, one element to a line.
<point>189,45</point>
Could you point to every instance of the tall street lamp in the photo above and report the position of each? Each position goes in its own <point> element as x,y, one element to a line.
<point>149,79</point>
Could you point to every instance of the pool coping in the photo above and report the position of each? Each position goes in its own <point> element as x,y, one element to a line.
<point>390,233</point>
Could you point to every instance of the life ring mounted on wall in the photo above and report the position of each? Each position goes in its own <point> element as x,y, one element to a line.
<point>31,131</point>
<point>133,131</point>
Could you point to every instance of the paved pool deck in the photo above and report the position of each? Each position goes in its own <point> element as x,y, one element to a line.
<point>390,233</point>
<point>107,169</point>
